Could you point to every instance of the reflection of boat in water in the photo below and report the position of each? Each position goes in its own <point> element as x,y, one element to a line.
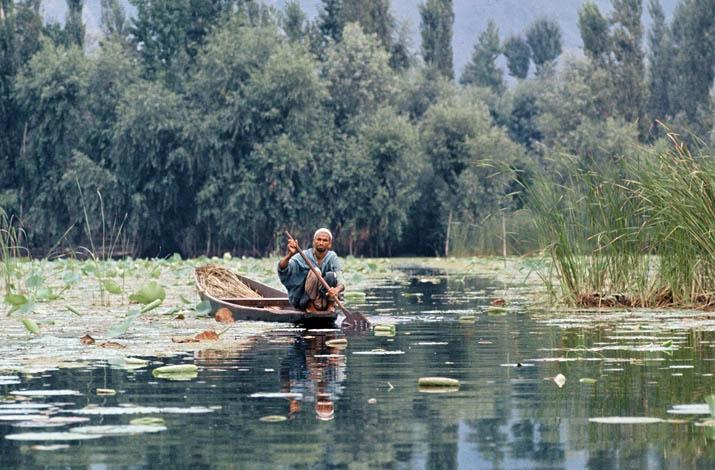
<point>271,305</point>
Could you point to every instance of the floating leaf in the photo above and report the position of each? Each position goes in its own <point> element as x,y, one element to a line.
<point>34,281</point>
<point>291,395</point>
<point>122,327</point>
<point>437,382</point>
<point>138,410</point>
<point>151,305</point>
<point>45,393</point>
<point>15,300</point>
<point>587,380</point>
<point>51,436</point>
<point>625,420</point>
<point>203,308</point>
<point>694,409</point>
<point>148,421</point>
<point>337,343</point>
<point>73,310</point>
<point>176,372</point>
<point>111,286</point>
<point>105,391</point>
<point>148,293</point>
<point>118,429</point>
<point>30,326</point>
<point>354,296</point>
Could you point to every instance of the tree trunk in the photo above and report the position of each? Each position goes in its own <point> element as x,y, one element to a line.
<point>446,241</point>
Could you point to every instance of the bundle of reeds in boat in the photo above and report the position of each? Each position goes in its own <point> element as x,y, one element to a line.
<point>222,283</point>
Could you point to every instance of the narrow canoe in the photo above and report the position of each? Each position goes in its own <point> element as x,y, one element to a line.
<point>273,305</point>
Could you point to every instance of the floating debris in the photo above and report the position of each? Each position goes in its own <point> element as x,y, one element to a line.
<point>87,340</point>
<point>50,447</point>
<point>105,391</point>
<point>371,401</point>
<point>467,319</point>
<point>559,380</point>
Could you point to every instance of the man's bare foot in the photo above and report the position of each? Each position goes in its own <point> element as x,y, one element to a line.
<point>310,308</point>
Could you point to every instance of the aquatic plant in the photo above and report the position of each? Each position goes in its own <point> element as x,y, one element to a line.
<point>639,233</point>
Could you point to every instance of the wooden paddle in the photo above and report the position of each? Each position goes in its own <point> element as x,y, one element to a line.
<point>357,320</point>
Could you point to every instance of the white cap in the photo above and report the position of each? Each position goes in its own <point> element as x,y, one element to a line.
<point>323,230</point>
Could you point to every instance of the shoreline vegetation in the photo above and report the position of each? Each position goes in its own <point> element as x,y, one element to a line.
<point>640,233</point>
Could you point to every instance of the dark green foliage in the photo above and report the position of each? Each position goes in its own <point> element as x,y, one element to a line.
<point>170,32</point>
<point>202,126</point>
<point>331,21</point>
<point>437,20</point>
<point>51,92</point>
<point>294,22</point>
<point>627,69</point>
<point>594,29</point>
<point>482,69</point>
<point>74,27</point>
<point>693,30</point>
<point>518,55</point>
<point>544,39</point>
<point>114,21</point>
<point>661,62</point>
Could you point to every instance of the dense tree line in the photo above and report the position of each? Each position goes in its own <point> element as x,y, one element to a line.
<point>202,126</point>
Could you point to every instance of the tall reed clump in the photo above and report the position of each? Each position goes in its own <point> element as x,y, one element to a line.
<point>677,192</point>
<point>590,225</point>
<point>642,233</point>
<point>11,249</point>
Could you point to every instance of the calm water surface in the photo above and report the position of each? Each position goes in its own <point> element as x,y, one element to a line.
<point>348,409</point>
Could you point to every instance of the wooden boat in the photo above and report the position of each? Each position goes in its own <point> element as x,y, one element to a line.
<point>273,305</point>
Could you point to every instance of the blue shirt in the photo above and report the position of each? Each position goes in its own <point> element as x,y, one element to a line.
<point>293,276</point>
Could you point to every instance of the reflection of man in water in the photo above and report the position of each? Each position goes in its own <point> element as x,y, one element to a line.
<point>316,371</point>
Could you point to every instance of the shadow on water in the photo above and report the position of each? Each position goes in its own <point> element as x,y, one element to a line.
<point>300,399</point>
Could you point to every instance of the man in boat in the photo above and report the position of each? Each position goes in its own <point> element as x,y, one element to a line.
<point>304,288</point>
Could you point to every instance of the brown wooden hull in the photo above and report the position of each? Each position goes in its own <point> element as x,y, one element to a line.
<point>272,306</point>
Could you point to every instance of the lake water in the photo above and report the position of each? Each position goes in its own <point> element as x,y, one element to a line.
<point>292,400</point>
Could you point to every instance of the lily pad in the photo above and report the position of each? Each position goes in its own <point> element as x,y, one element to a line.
<point>378,353</point>
<point>694,409</point>
<point>437,382</point>
<point>148,421</point>
<point>273,419</point>
<point>176,372</point>
<point>50,436</point>
<point>148,293</point>
<point>296,396</point>
<point>46,393</point>
<point>118,430</point>
<point>625,420</point>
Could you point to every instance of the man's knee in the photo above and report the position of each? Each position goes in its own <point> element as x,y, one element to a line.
<point>331,279</point>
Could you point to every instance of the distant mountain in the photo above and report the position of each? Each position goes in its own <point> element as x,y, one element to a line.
<point>471,17</point>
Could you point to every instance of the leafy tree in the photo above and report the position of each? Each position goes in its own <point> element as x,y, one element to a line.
<point>294,22</point>
<point>358,74</point>
<point>152,162</point>
<point>627,69</point>
<point>419,92</point>
<point>482,69</point>
<point>51,93</point>
<point>169,33</point>
<point>518,55</point>
<point>522,122</point>
<point>114,23</point>
<point>660,60</point>
<point>595,34</point>
<point>378,181</point>
<point>74,27</point>
<point>331,21</point>
<point>464,148</point>
<point>436,30</point>
<point>258,126</point>
<point>544,39</point>
<point>693,30</point>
